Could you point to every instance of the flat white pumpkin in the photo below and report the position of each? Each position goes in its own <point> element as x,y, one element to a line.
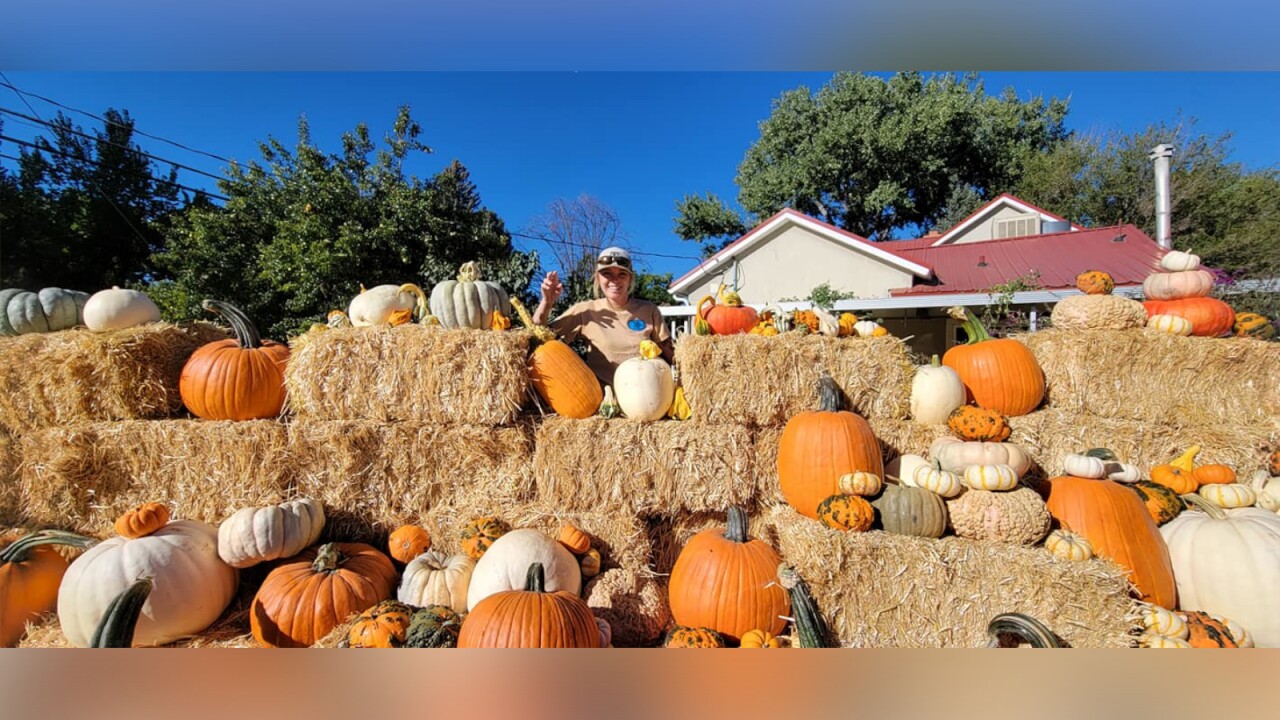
<point>505,565</point>
<point>258,534</point>
<point>644,386</point>
<point>1171,324</point>
<point>378,304</point>
<point>434,578</point>
<point>994,478</point>
<point>119,308</point>
<point>936,391</point>
<point>1179,261</point>
<point>1267,489</point>
<point>192,584</point>
<point>955,454</point>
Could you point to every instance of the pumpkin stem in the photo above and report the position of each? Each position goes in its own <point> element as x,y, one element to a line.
<point>420,304</point>
<point>118,623</point>
<point>1025,627</point>
<point>20,549</point>
<point>810,626</point>
<point>536,581</point>
<point>736,527</point>
<point>935,362</point>
<point>1199,502</point>
<point>328,558</point>
<point>974,331</point>
<point>541,333</point>
<point>828,394</point>
<point>469,272</point>
<point>246,334</point>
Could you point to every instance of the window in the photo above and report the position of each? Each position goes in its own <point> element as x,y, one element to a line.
<point>1017,226</point>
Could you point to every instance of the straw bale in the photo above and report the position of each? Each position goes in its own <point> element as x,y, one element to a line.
<point>642,468</point>
<point>759,381</point>
<point>10,490</point>
<point>882,590</point>
<point>83,477</point>
<point>1050,435</point>
<point>409,373</point>
<point>72,376</point>
<point>635,607</point>
<point>1159,378</point>
<point>373,477</point>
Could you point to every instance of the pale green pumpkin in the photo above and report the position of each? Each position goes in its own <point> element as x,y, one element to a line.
<point>468,302</point>
<point>48,310</point>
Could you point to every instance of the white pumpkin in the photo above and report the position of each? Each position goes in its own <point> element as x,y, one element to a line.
<point>469,301</point>
<point>1066,545</point>
<point>644,385</point>
<point>860,483</point>
<point>1123,472</point>
<point>119,308</point>
<point>937,480</point>
<point>936,391</point>
<point>955,454</point>
<point>1178,261</point>
<point>1227,562</point>
<point>1267,489</point>
<point>904,467</point>
<point>1238,632</point>
<point>995,478</point>
<point>1162,642</point>
<point>192,584</point>
<point>1084,466</point>
<point>385,305</point>
<point>867,328</point>
<point>1177,285</point>
<point>434,578</point>
<point>505,565</point>
<point>1162,621</point>
<point>1228,495</point>
<point>257,534</point>
<point>1171,324</point>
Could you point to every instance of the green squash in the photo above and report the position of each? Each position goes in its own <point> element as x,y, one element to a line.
<point>1162,502</point>
<point>910,511</point>
<point>434,626</point>
<point>49,310</point>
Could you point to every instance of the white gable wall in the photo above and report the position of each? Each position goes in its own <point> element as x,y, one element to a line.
<point>796,260</point>
<point>986,228</point>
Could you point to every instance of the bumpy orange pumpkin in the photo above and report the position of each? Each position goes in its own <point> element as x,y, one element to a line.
<point>143,520</point>
<point>530,618</point>
<point>730,316</point>
<point>726,581</point>
<point>574,539</point>
<point>1175,478</point>
<point>1206,632</point>
<point>970,422</point>
<point>1209,317</point>
<point>408,542</point>
<point>846,512</point>
<point>382,626</point>
<point>561,378</point>
<point>689,637</point>
<point>480,533</point>
<point>1095,282</point>
<point>1001,375</point>
<point>806,319</point>
<point>818,446</point>
<point>30,573</point>
<point>237,379</point>
<point>1253,325</point>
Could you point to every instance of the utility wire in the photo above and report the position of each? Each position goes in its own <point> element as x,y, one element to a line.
<point>570,244</point>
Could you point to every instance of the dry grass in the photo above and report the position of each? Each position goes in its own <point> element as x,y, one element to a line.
<point>409,373</point>
<point>82,478</point>
<point>11,511</point>
<point>639,468</point>
<point>373,477</point>
<point>881,590</point>
<point>762,381</point>
<point>77,376</point>
<point>1159,378</point>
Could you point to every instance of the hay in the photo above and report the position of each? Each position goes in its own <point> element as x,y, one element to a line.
<point>11,512</point>
<point>73,376</point>
<point>373,477</point>
<point>642,468</point>
<point>881,590</point>
<point>1159,378</point>
<point>409,373</point>
<point>1049,435</point>
<point>762,381</point>
<point>634,605</point>
<point>82,478</point>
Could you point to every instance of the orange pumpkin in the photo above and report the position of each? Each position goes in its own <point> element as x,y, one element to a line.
<point>30,573</point>
<point>235,379</point>
<point>559,376</point>
<point>1209,317</point>
<point>479,534</point>
<point>574,539</point>
<point>382,626</point>
<point>1204,631</point>
<point>1175,478</point>
<point>1095,282</point>
<point>408,542</point>
<point>685,637</point>
<point>1116,522</point>
<point>818,446</point>
<point>970,422</point>
<point>727,581</point>
<point>846,512</point>
<point>1273,462</point>
<point>530,618</point>
<point>730,317</point>
<point>1001,375</point>
<point>310,594</point>
<point>142,521</point>
<point>1213,475</point>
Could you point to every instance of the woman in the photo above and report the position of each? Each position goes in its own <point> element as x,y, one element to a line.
<point>614,323</point>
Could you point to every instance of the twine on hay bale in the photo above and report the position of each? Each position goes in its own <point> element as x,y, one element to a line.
<point>1159,378</point>
<point>881,590</point>
<point>82,478</point>
<point>76,376</point>
<point>642,468</point>
<point>409,373</point>
<point>373,477</point>
<point>761,381</point>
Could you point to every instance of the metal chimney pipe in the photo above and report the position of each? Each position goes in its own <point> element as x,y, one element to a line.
<point>1161,154</point>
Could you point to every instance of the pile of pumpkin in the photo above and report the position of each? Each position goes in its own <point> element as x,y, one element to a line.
<point>728,316</point>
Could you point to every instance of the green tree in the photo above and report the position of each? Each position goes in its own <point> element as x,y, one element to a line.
<point>874,155</point>
<point>84,211</point>
<point>707,219</point>
<point>303,230</point>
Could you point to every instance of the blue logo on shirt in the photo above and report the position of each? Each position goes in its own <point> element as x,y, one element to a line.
<point>636,324</point>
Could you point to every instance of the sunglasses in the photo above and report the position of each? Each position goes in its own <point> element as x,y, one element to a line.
<point>610,260</point>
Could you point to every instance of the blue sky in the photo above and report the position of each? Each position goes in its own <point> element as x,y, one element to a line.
<point>637,141</point>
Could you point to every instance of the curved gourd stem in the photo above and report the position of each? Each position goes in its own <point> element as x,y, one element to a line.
<point>20,549</point>
<point>1025,627</point>
<point>828,394</point>
<point>536,581</point>
<point>541,333</point>
<point>469,272</point>
<point>118,623</point>
<point>246,334</point>
<point>420,299</point>
<point>736,527</point>
<point>974,331</point>
<point>810,626</point>
<point>1200,503</point>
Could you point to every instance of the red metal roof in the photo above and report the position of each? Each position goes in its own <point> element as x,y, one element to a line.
<point>1124,251</point>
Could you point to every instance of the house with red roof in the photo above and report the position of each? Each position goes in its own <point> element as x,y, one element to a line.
<point>907,285</point>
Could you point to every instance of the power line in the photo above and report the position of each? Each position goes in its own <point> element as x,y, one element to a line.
<point>25,94</point>
<point>633,252</point>
<point>108,142</point>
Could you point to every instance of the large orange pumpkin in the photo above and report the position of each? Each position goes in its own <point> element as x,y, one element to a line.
<point>530,618</point>
<point>1116,522</point>
<point>727,581</point>
<point>998,374</point>
<point>315,591</point>
<point>1209,317</point>
<point>237,379</point>
<point>818,446</point>
<point>561,378</point>
<point>730,316</point>
<point>30,573</point>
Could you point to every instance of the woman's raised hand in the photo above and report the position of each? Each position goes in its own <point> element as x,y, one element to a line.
<point>552,288</point>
